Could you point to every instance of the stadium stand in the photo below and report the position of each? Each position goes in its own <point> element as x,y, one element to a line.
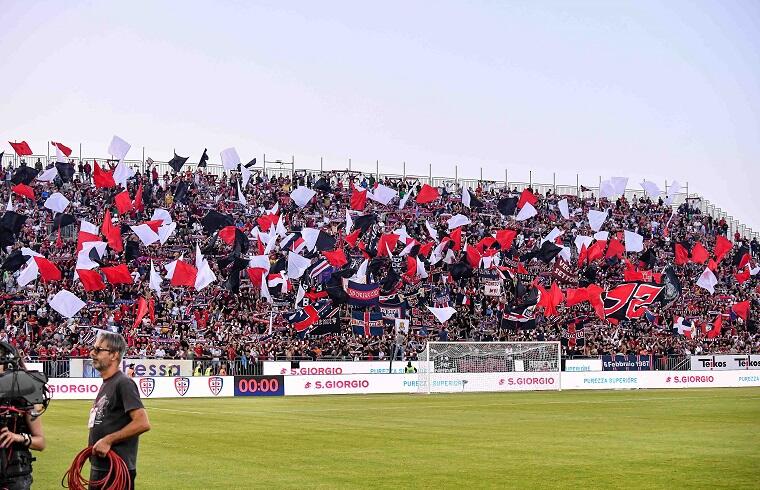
<point>258,263</point>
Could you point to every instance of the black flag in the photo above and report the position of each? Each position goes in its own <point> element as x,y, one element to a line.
<point>177,162</point>
<point>507,206</point>
<point>204,158</point>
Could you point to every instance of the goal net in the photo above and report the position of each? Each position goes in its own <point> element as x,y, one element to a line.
<point>446,367</point>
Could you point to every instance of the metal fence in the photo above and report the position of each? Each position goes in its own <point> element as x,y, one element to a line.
<point>222,367</point>
<point>279,168</point>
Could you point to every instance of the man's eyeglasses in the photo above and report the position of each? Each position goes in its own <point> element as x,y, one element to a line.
<point>98,350</point>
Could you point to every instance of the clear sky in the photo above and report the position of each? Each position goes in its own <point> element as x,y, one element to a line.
<point>657,90</point>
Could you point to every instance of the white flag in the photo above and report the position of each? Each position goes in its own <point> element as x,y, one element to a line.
<point>633,242</point>
<point>299,295</point>
<point>297,265</point>
<point>122,173</point>
<point>466,197</point>
<point>48,174</point>
<point>56,202</point>
<point>118,148</point>
<point>564,209</point>
<point>673,189</point>
<point>526,212</point>
<point>230,159</point>
<point>596,219</point>
<point>582,240</point>
<point>431,231</point>
<point>382,194</point>
<point>652,190</point>
<point>66,303</point>
<point>28,274</point>
<point>166,231</point>
<point>241,198</point>
<point>146,234</point>
<point>458,220</point>
<point>155,279</point>
<point>707,281</point>
<point>619,184</point>
<point>163,215</point>
<point>442,314</point>
<point>310,236</point>
<point>403,200</point>
<point>302,195</point>
<point>10,207</point>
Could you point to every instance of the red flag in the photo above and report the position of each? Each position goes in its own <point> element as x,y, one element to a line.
<point>699,254</point>
<point>615,249</point>
<point>426,248</point>
<point>102,178</point>
<point>456,238</point>
<point>23,190</point>
<point>123,202</point>
<point>85,237</point>
<point>152,310</point>
<point>505,238</point>
<point>138,204</point>
<point>715,331</point>
<point>386,243</point>
<point>596,250</point>
<point>227,234</point>
<point>255,274</point>
<point>575,296</point>
<point>582,255</point>
<point>427,194</point>
<point>184,275</point>
<point>358,199</point>
<point>353,237</point>
<point>411,266</point>
<point>112,233</point>
<point>712,265</point>
<point>91,280</point>
<point>741,309</point>
<point>267,221</point>
<point>142,310</point>
<point>118,274</point>
<point>48,270</point>
<point>550,299</point>
<point>742,276</point>
<point>474,257</point>
<point>64,149</point>
<point>744,260</point>
<point>527,196</point>
<point>21,149</point>
<point>722,247</point>
<point>336,258</point>
<point>682,255</point>
<point>595,298</point>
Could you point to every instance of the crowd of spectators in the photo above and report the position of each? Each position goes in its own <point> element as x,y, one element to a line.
<point>217,323</point>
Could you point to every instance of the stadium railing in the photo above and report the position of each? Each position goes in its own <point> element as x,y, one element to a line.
<point>288,169</point>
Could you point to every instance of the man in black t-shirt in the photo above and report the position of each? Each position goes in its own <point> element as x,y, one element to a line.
<point>117,416</point>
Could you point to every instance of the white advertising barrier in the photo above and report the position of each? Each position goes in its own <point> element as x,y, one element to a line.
<point>158,387</point>
<point>725,362</point>
<point>658,379</point>
<point>410,383</point>
<point>326,368</point>
<point>583,365</point>
<point>143,367</point>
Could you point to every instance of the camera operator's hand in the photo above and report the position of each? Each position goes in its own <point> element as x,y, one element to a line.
<point>7,437</point>
<point>102,447</point>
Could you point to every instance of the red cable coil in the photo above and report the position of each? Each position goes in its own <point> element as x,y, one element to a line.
<point>118,473</point>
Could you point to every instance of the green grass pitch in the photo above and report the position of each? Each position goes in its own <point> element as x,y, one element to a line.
<point>699,438</point>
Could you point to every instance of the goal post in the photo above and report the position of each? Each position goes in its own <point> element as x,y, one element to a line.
<point>446,367</point>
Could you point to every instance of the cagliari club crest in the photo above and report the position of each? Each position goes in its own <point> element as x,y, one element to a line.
<point>147,385</point>
<point>215,384</point>
<point>182,384</point>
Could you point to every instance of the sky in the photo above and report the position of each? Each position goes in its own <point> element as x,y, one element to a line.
<point>658,90</point>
